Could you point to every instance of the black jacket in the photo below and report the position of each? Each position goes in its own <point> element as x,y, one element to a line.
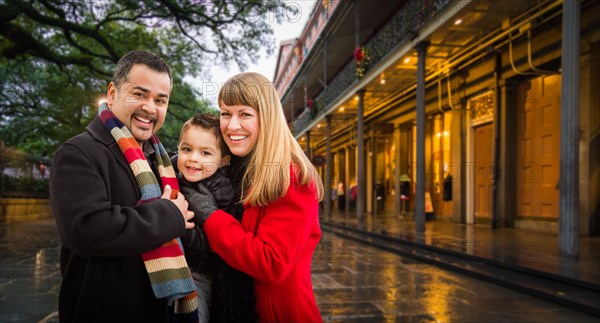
<point>198,254</point>
<point>103,232</point>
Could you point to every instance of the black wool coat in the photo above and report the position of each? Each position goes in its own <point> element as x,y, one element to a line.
<point>94,194</point>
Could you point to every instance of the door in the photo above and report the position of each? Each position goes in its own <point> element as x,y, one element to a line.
<point>538,157</point>
<point>483,167</point>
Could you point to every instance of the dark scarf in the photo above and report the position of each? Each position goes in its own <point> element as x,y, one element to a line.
<point>234,298</point>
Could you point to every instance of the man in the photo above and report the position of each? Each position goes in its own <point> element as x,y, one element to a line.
<point>107,221</point>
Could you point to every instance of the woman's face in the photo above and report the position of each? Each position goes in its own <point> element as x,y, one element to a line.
<point>239,126</point>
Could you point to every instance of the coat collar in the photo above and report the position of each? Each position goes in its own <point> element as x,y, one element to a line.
<point>97,130</point>
<point>99,133</point>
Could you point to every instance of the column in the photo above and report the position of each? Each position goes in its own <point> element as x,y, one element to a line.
<point>373,169</point>
<point>397,172</point>
<point>568,234</point>
<point>347,185</point>
<point>507,181</point>
<point>308,153</point>
<point>420,189</point>
<point>360,146</point>
<point>328,169</point>
<point>496,222</point>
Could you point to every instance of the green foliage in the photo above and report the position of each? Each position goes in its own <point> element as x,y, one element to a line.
<point>57,57</point>
<point>42,105</point>
<point>16,185</point>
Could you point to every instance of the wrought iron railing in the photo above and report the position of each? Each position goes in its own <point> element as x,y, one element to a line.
<point>400,29</point>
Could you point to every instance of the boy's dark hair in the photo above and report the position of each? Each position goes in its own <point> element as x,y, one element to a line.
<point>153,61</point>
<point>208,122</point>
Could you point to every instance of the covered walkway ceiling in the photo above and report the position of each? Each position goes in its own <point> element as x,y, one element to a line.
<point>475,23</point>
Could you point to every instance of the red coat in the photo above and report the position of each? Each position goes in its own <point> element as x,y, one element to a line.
<point>274,244</point>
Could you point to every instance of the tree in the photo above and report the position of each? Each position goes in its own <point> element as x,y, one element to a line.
<point>57,57</point>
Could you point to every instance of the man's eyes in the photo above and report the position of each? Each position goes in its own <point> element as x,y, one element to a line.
<point>161,101</point>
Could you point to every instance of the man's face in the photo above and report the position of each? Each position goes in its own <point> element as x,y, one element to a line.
<point>141,102</point>
<point>199,154</point>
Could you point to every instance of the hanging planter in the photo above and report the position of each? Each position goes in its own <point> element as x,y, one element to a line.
<point>362,58</point>
<point>359,54</point>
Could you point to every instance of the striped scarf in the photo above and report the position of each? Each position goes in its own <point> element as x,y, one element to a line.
<point>168,271</point>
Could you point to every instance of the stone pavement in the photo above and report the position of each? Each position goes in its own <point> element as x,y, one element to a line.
<point>29,271</point>
<point>352,283</point>
<point>517,247</point>
<point>358,283</point>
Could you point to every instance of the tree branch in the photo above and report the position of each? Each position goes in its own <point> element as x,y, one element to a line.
<point>66,25</point>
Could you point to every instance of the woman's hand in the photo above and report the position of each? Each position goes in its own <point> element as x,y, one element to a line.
<point>200,202</point>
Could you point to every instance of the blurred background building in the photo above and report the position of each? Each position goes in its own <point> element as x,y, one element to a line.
<point>478,111</point>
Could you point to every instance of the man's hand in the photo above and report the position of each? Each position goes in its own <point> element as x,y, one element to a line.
<point>201,202</point>
<point>181,204</point>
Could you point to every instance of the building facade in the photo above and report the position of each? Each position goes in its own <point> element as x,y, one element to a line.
<point>462,111</point>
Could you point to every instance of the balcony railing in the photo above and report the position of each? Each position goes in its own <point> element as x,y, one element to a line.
<point>400,29</point>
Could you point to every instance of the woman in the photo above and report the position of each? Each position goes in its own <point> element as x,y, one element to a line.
<point>279,229</point>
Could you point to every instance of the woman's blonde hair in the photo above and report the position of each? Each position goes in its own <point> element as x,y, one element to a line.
<point>276,149</point>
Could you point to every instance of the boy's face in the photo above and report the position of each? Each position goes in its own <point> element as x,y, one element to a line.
<point>199,154</point>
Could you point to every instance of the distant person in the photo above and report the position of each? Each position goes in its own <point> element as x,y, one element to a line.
<point>341,195</point>
<point>117,229</point>
<point>201,160</point>
<point>272,236</point>
<point>353,196</point>
<point>380,196</point>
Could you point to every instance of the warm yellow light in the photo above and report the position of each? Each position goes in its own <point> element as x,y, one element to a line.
<point>341,109</point>
<point>407,60</point>
<point>458,21</point>
<point>382,81</point>
<point>446,133</point>
<point>439,134</point>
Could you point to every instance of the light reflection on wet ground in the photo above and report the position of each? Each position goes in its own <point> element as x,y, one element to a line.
<point>352,283</point>
<point>29,271</point>
<point>523,248</point>
<point>359,283</point>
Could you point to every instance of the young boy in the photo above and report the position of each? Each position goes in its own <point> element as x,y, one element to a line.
<point>202,155</point>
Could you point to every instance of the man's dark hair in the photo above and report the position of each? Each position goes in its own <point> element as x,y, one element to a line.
<point>153,61</point>
<point>207,122</point>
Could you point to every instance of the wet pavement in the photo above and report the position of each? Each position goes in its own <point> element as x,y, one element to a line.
<point>352,283</point>
<point>517,247</point>
<point>357,283</point>
<point>29,271</point>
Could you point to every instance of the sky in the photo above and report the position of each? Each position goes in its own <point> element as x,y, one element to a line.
<point>291,27</point>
